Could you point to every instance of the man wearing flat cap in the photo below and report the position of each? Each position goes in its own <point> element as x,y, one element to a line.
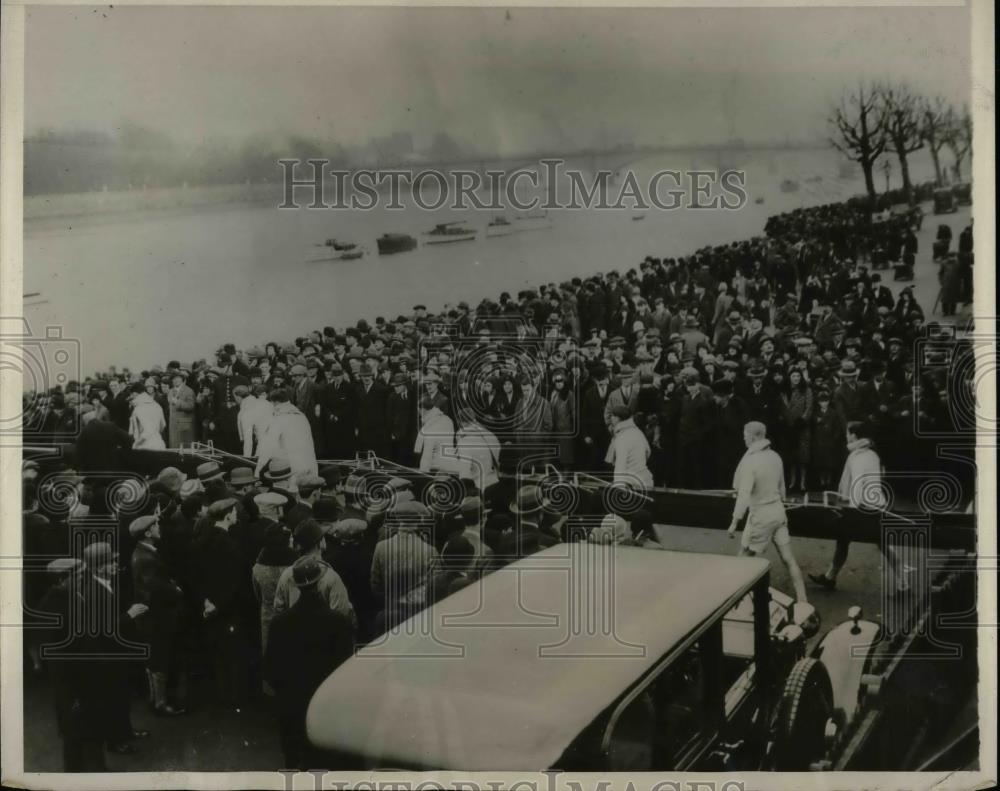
<point>309,537</point>
<point>225,595</point>
<point>161,626</point>
<point>100,704</point>
<point>306,643</point>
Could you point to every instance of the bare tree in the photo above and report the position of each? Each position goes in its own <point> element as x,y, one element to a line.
<point>903,122</point>
<point>958,137</point>
<point>934,122</point>
<point>861,131</point>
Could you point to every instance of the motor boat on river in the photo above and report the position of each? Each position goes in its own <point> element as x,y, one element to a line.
<point>447,232</point>
<point>500,226</point>
<point>389,243</point>
<point>537,220</point>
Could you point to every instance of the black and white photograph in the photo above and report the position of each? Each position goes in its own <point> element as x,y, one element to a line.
<point>433,397</point>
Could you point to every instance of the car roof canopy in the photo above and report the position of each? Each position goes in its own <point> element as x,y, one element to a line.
<point>504,675</point>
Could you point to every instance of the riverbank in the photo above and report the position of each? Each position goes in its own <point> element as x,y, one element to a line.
<point>38,208</point>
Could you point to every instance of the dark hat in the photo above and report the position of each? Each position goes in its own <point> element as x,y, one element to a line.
<point>307,571</point>
<point>336,368</point>
<point>209,471</point>
<point>529,500</point>
<point>398,380</point>
<point>242,476</point>
<point>756,371</point>
<point>722,387</point>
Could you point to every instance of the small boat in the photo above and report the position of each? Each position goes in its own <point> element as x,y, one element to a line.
<point>759,201</point>
<point>788,185</point>
<point>447,232</point>
<point>637,217</point>
<point>499,226</point>
<point>389,243</point>
<point>336,244</point>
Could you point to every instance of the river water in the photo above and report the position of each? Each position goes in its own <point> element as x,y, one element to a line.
<point>144,288</point>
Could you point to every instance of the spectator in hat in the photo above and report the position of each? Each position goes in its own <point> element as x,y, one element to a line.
<point>225,596</point>
<point>402,418</point>
<point>310,540</point>
<point>533,424</point>
<point>288,436</point>
<point>276,554</point>
<point>181,403</point>
<point>401,562</point>
<point>307,642</point>
<point>625,395</point>
<point>162,625</point>
<point>847,398</point>
<point>563,405</point>
<point>695,430</point>
<point>226,429</point>
<point>338,401</point>
<point>372,425</point>
<point>454,571</point>
<point>798,408</point>
<point>731,415</point>
<point>827,431</point>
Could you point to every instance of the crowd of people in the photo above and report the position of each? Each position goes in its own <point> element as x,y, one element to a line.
<point>648,377</point>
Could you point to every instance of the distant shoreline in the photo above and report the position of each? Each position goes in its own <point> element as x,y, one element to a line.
<point>91,204</point>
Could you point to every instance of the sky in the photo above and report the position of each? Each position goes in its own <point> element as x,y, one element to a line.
<point>506,81</point>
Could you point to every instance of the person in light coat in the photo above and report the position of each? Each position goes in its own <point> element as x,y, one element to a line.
<point>147,422</point>
<point>288,436</point>
<point>861,487</point>
<point>181,399</point>
<point>477,452</point>
<point>435,439</point>
<point>254,416</point>
<point>629,450</point>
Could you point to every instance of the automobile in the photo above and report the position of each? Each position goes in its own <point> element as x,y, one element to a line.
<point>962,193</point>
<point>587,657</point>
<point>944,201</point>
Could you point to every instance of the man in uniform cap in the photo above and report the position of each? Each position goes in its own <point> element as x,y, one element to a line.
<point>306,643</point>
<point>155,588</point>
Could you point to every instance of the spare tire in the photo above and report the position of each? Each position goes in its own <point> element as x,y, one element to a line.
<point>806,705</point>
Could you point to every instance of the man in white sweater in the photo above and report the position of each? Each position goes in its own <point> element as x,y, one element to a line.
<point>760,489</point>
<point>861,487</point>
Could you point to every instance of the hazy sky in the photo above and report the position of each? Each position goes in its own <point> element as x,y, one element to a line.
<point>511,81</point>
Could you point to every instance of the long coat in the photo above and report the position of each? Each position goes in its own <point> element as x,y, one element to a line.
<point>147,424</point>
<point>288,436</point>
<point>339,415</point>
<point>182,418</point>
<point>827,444</point>
<point>798,419</point>
<point>564,425</point>
<point>154,587</point>
<point>373,433</point>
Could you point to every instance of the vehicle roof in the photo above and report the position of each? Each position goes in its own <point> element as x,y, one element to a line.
<point>490,678</point>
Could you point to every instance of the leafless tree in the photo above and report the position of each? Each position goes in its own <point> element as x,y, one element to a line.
<point>861,131</point>
<point>934,124</point>
<point>958,137</point>
<point>903,122</point>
